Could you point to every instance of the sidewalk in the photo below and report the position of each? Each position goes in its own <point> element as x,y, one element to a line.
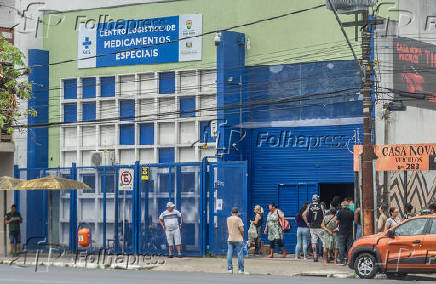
<point>253,265</point>
<point>259,265</point>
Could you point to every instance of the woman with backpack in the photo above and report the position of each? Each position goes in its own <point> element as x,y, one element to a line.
<point>275,231</point>
<point>303,233</point>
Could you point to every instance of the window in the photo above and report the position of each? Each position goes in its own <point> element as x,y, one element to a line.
<point>127,134</point>
<point>89,180</point>
<point>187,182</point>
<point>127,110</point>
<point>110,183</point>
<point>166,155</point>
<point>164,182</point>
<point>411,228</point>
<point>70,89</point>
<point>88,86</point>
<point>107,87</point>
<point>187,107</point>
<point>88,111</point>
<point>146,134</point>
<point>70,112</point>
<point>167,83</point>
<point>433,227</point>
<point>205,134</point>
<point>110,180</point>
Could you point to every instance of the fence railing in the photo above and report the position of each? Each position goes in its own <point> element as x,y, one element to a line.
<point>122,218</point>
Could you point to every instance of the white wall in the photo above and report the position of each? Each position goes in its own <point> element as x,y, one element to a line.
<point>6,14</point>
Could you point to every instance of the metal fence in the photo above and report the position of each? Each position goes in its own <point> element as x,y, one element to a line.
<point>121,220</point>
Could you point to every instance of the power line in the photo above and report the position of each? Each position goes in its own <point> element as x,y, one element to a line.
<point>190,37</point>
<point>254,104</point>
<point>314,53</point>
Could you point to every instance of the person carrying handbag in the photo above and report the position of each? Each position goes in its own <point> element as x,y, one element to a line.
<point>257,223</point>
<point>275,231</point>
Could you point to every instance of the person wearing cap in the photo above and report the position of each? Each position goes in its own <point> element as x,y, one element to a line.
<point>345,221</point>
<point>169,220</point>
<point>313,216</point>
<point>235,241</point>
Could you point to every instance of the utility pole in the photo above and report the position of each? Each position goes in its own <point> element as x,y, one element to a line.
<point>366,66</point>
<point>368,150</point>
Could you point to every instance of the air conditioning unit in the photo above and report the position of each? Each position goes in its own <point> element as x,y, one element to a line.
<point>102,158</point>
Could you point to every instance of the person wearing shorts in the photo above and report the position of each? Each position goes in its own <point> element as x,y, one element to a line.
<point>169,220</point>
<point>314,215</point>
<point>13,219</point>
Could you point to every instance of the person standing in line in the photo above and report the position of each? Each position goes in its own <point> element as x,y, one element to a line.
<point>408,208</point>
<point>358,223</point>
<point>381,222</point>
<point>350,203</point>
<point>315,214</point>
<point>257,221</point>
<point>235,241</point>
<point>275,231</point>
<point>330,242</point>
<point>169,220</point>
<point>13,219</point>
<point>336,202</point>
<point>345,220</point>
<point>303,233</point>
<point>394,218</point>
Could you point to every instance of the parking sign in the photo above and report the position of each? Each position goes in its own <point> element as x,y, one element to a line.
<point>125,179</point>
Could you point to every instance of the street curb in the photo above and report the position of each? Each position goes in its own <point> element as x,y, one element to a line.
<point>327,274</point>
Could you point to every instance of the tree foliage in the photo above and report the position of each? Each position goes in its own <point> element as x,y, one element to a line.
<point>12,88</point>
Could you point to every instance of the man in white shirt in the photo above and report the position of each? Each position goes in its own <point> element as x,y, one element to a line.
<point>169,220</point>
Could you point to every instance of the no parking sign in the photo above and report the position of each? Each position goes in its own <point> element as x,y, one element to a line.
<point>125,179</point>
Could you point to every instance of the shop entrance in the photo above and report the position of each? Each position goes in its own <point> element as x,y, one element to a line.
<point>328,191</point>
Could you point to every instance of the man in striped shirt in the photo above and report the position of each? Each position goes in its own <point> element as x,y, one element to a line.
<point>169,220</point>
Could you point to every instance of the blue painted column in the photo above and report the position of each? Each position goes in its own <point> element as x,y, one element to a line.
<point>17,192</point>
<point>136,208</point>
<point>104,207</point>
<point>37,139</point>
<point>231,93</point>
<point>73,211</point>
<point>231,97</point>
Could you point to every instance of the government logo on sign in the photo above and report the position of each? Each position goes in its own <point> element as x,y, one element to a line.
<point>86,44</point>
<point>189,24</point>
<point>189,44</point>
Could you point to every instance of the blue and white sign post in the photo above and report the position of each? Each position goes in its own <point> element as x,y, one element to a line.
<point>148,41</point>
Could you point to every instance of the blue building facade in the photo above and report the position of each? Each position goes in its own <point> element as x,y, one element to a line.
<point>284,132</point>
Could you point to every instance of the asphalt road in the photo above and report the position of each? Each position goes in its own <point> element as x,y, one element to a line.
<point>26,275</point>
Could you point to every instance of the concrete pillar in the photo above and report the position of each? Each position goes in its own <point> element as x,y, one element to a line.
<point>6,197</point>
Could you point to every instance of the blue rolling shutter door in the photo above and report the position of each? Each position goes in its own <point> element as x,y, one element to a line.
<point>290,198</point>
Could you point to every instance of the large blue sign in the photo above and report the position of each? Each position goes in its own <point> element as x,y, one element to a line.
<point>148,41</point>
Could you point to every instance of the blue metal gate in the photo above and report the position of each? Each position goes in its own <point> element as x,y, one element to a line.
<point>181,184</point>
<point>126,220</point>
<point>227,189</point>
